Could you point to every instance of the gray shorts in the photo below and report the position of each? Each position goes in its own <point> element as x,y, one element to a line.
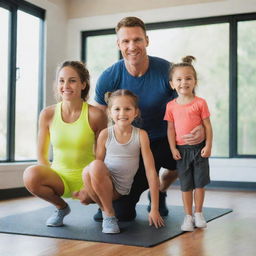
<point>193,170</point>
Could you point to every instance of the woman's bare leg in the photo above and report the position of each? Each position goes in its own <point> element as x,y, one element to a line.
<point>43,182</point>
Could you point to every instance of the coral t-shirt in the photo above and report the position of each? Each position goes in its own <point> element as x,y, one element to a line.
<point>186,117</point>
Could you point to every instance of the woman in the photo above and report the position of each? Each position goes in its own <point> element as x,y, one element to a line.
<point>71,127</point>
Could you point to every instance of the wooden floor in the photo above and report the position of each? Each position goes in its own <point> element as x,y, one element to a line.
<point>231,235</point>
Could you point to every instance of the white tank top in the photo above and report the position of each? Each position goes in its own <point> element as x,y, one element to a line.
<point>122,160</point>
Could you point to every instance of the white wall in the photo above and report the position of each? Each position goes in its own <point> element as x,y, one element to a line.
<point>63,42</point>
<point>88,8</point>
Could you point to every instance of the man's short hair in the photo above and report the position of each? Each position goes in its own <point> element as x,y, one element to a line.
<point>131,22</point>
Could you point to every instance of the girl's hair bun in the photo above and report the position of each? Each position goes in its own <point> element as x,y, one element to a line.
<point>188,59</point>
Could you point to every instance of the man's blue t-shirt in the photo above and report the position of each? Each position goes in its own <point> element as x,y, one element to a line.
<point>153,90</point>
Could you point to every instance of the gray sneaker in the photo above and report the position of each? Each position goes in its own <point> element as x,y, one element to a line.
<point>56,220</point>
<point>109,225</point>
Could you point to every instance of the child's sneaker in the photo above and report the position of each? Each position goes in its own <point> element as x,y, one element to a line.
<point>188,223</point>
<point>56,220</point>
<point>199,220</point>
<point>109,225</point>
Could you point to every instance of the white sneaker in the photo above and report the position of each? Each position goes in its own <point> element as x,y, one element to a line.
<point>56,220</point>
<point>199,220</point>
<point>109,224</point>
<point>188,223</point>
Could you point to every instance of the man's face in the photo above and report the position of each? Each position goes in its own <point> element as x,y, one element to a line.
<point>132,43</point>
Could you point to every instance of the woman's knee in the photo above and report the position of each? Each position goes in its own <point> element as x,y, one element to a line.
<point>32,177</point>
<point>30,173</point>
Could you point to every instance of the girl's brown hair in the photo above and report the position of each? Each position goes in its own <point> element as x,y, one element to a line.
<point>186,62</point>
<point>82,72</point>
<point>109,96</point>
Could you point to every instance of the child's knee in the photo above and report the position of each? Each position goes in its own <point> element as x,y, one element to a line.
<point>98,169</point>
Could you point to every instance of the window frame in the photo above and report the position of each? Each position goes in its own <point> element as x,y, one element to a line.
<point>85,34</point>
<point>232,20</point>
<point>13,6</point>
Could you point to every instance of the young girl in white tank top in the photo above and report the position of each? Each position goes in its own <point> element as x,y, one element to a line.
<point>117,160</point>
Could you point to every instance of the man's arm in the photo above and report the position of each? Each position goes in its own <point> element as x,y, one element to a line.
<point>206,151</point>
<point>196,136</point>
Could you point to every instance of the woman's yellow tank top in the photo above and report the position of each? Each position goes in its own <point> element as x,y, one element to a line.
<point>72,143</point>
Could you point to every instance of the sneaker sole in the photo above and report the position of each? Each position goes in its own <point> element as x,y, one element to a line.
<point>198,226</point>
<point>187,230</point>
<point>52,225</point>
<point>110,232</point>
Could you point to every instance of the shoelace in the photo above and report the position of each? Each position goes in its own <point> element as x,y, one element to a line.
<point>58,213</point>
<point>111,220</point>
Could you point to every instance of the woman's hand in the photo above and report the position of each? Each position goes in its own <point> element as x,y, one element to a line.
<point>83,196</point>
<point>155,218</point>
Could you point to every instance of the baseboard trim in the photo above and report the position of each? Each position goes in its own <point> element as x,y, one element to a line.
<point>225,185</point>
<point>233,185</point>
<point>13,193</point>
<point>229,185</point>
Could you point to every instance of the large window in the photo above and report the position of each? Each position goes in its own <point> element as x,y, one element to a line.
<point>20,72</point>
<point>100,56</point>
<point>224,47</point>
<point>246,88</point>
<point>4,49</point>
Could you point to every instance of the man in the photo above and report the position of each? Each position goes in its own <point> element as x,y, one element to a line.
<point>148,78</point>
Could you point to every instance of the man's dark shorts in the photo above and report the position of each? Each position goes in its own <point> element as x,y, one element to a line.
<point>125,205</point>
<point>162,154</point>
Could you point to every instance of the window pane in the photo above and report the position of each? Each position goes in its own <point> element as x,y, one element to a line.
<point>4,27</point>
<point>27,86</point>
<point>246,87</point>
<point>101,52</point>
<point>210,45</point>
